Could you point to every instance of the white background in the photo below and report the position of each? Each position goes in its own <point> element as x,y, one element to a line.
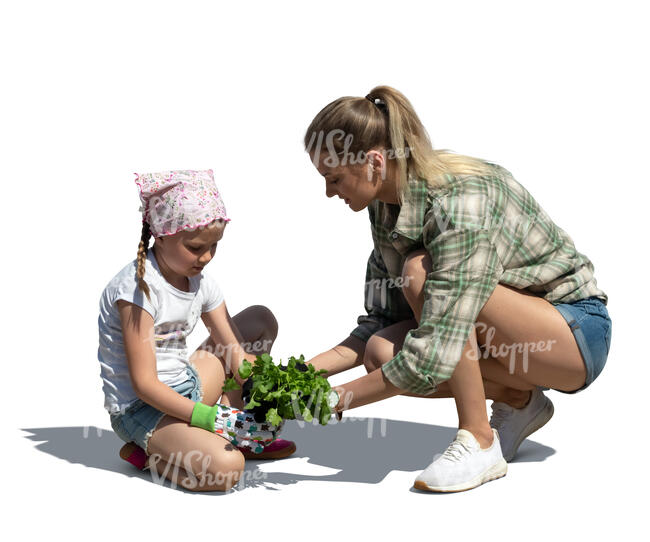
<point>92,92</point>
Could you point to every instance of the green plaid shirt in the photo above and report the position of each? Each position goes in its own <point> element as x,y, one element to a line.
<point>479,232</point>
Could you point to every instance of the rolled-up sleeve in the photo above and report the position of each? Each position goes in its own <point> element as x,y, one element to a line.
<point>384,301</point>
<point>465,271</point>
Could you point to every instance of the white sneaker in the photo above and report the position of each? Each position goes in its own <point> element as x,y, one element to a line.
<point>463,465</point>
<point>515,424</point>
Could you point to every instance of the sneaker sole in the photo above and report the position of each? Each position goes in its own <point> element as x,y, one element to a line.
<point>498,470</point>
<point>539,421</point>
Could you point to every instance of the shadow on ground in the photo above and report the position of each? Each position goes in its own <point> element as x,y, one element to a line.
<point>359,450</point>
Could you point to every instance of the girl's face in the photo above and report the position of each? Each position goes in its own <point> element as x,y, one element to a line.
<point>186,253</point>
<point>359,184</point>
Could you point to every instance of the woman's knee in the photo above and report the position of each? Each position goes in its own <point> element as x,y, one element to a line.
<point>376,353</point>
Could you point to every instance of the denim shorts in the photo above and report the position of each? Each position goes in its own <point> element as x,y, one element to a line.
<point>592,328</point>
<point>139,419</point>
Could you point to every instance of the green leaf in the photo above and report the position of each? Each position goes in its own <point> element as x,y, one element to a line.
<point>230,385</point>
<point>251,404</point>
<point>272,417</point>
<point>325,415</point>
<point>245,369</point>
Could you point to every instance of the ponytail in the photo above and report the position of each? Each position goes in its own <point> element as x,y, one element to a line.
<point>385,119</point>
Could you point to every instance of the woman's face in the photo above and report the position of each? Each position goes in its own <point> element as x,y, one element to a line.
<point>359,184</point>
<point>351,183</point>
<point>188,252</point>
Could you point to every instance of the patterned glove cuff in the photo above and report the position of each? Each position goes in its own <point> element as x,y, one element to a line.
<point>203,416</point>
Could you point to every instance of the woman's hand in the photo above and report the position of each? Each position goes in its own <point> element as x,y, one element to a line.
<point>334,401</point>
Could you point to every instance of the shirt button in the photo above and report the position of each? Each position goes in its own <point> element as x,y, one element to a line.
<point>394,235</point>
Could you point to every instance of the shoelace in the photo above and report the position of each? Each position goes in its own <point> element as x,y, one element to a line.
<point>500,414</point>
<point>455,451</point>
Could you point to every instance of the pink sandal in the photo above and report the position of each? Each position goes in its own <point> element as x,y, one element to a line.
<point>135,455</point>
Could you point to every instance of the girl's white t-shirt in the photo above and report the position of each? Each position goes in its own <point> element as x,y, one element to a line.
<point>174,313</point>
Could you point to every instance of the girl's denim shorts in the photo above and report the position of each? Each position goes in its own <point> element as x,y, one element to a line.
<point>139,420</point>
<point>591,326</point>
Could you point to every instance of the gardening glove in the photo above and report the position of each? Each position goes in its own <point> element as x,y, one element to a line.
<point>238,426</point>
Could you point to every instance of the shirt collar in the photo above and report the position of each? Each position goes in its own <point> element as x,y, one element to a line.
<point>407,220</point>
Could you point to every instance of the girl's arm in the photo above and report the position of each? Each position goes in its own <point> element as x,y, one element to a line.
<point>342,357</point>
<point>137,330</point>
<point>224,333</point>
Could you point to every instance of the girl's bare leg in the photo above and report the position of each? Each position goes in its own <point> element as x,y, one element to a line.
<point>190,456</point>
<point>256,329</point>
<point>193,457</point>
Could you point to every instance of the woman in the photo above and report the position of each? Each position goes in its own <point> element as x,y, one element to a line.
<point>466,266</point>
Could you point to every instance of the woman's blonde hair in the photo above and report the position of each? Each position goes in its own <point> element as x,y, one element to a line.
<point>385,119</point>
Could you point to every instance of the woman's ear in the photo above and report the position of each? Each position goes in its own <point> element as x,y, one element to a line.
<point>375,163</point>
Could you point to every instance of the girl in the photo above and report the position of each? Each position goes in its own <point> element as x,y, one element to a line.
<point>466,266</point>
<point>162,403</point>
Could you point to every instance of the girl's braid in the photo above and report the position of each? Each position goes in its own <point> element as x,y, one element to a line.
<point>142,256</point>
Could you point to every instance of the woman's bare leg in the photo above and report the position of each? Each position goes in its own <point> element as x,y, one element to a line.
<point>466,384</point>
<point>498,385</point>
<point>522,332</point>
<point>518,331</point>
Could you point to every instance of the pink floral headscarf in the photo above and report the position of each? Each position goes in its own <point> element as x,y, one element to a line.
<point>173,201</point>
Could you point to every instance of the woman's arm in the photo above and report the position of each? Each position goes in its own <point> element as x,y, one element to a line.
<point>344,356</point>
<point>137,330</point>
<point>364,390</point>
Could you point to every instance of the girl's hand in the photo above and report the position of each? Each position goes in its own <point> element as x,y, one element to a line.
<point>237,426</point>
